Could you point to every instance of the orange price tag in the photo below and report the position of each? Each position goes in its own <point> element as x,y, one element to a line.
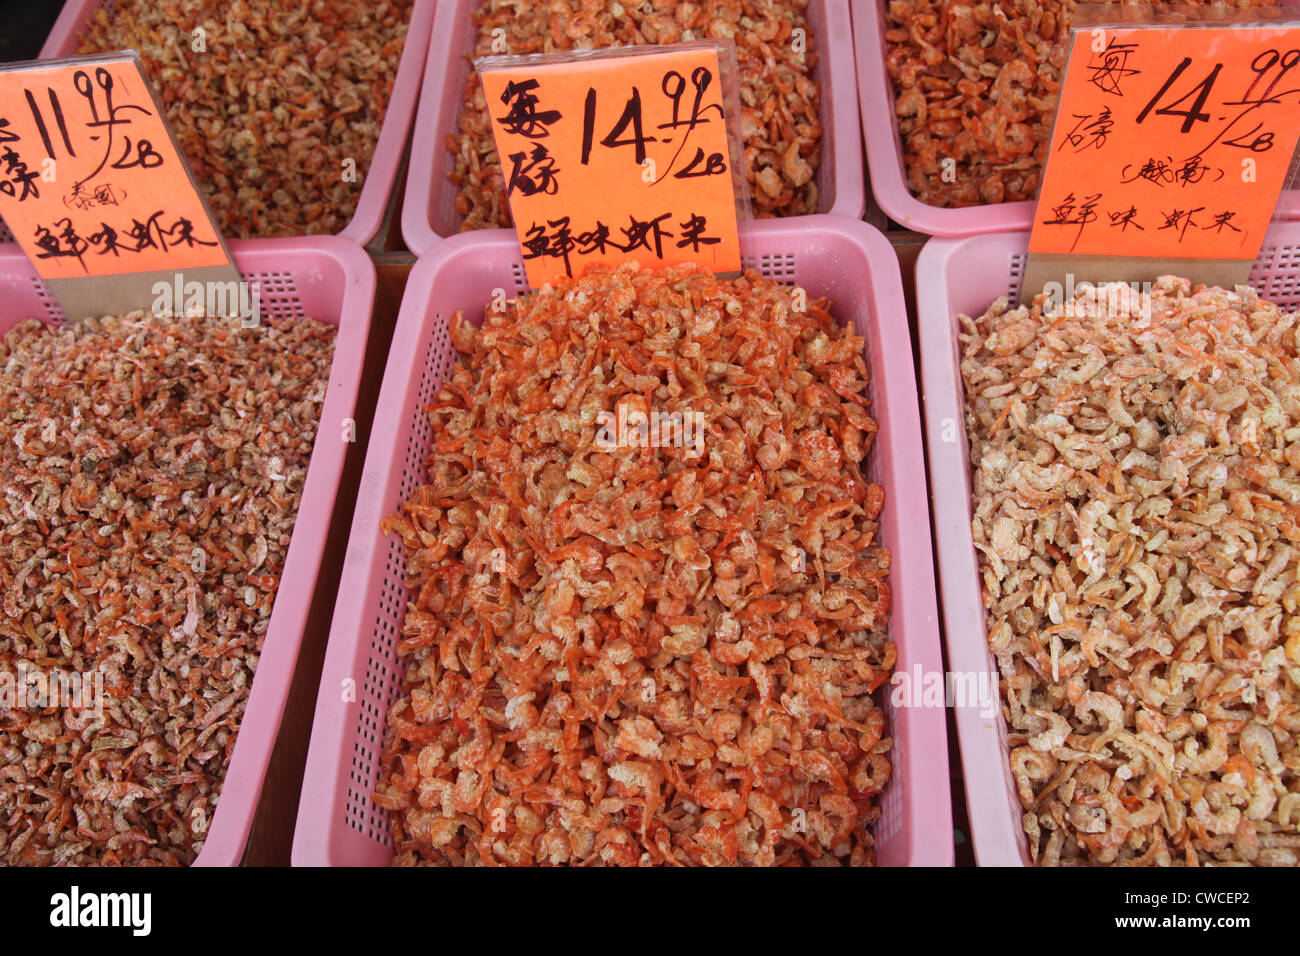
<point>1170,142</point>
<point>623,155</point>
<point>91,181</point>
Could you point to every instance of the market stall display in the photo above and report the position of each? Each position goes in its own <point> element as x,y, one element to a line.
<point>1113,529</point>
<point>293,118</point>
<point>547,569</point>
<point>798,113</point>
<point>168,488</point>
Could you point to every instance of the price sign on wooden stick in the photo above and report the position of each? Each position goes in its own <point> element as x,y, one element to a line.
<point>1171,144</point>
<point>94,188</point>
<point>629,154</point>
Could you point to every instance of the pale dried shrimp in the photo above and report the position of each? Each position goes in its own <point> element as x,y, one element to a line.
<point>1137,489</point>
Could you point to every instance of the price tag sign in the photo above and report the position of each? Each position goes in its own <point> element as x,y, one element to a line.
<point>94,188</point>
<point>624,155</point>
<point>1170,144</point>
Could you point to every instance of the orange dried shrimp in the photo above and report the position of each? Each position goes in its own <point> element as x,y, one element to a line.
<point>1137,489</point>
<point>780,102</point>
<point>621,652</point>
<point>977,83</point>
<point>280,96</point>
<point>152,470</point>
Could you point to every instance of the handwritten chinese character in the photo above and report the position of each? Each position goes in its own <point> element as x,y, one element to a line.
<point>533,174</point>
<point>19,176</point>
<point>1193,171</point>
<point>1221,222</point>
<point>524,119</point>
<point>558,244</point>
<point>1073,212</point>
<point>1110,67</point>
<point>105,196</point>
<point>62,244</point>
<point>1090,132</point>
<point>693,234</point>
<point>1180,219</point>
<point>640,234</point>
<point>106,240</point>
<point>595,240</point>
<point>181,233</point>
<point>1125,219</point>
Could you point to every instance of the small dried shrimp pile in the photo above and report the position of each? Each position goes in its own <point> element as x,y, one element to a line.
<point>275,100</point>
<point>150,473</point>
<point>977,83</point>
<point>623,652</point>
<point>1137,496</point>
<point>780,102</point>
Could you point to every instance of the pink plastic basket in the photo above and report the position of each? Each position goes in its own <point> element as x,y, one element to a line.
<point>885,146</point>
<point>850,262</point>
<point>885,150</point>
<point>429,210</point>
<point>331,280</point>
<point>377,180</point>
<point>964,276</point>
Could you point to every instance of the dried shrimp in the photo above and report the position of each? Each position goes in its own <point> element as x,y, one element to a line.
<point>630,650</point>
<point>268,100</point>
<point>150,473</point>
<point>1137,489</point>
